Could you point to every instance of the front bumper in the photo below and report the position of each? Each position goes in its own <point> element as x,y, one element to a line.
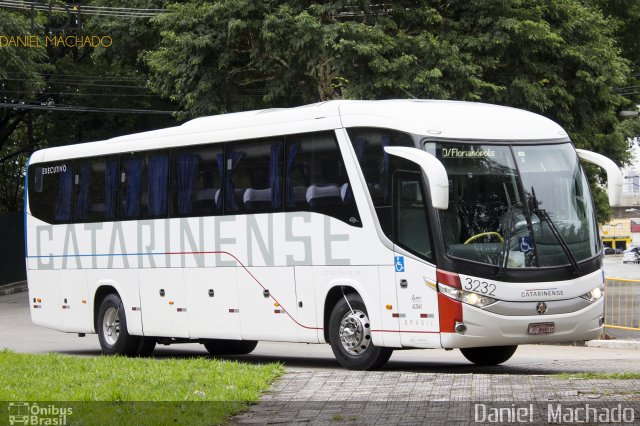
<point>485,328</point>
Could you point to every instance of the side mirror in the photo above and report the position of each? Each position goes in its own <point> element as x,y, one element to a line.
<point>432,167</point>
<point>614,175</point>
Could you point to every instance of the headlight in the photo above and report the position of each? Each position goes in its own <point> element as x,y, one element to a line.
<point>473,299</point>
<point>594,295</point>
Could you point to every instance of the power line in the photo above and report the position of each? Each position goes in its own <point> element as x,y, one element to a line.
<point>116,12</point>
<point>79,94</point>
<point>85,76</point>
<point>78,108</point>
<point>74,83</point>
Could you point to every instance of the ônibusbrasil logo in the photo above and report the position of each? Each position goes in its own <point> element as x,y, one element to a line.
<point>27,413</point>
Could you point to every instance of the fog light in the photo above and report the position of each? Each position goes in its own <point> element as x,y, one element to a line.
<point>460,327</point>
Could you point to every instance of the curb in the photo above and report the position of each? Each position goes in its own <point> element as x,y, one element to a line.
<point>18,287</point>
<point>615,344</point>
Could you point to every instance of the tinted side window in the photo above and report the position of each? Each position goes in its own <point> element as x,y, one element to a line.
<point>316,178</point>
<point>378,166</point>
<point>196,181</point>
<point>95,189</point>
<point>253,181</point>
<point>51,191</point>
<point>411,214</point>
<point>144,185</point>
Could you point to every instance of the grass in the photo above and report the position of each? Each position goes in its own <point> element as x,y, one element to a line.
<point>615,376</point>
<point>203,390</point>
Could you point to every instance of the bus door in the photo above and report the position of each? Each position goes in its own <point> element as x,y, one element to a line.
<point>415,277</point>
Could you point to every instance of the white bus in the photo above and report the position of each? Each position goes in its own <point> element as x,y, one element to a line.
<point>368,225</point>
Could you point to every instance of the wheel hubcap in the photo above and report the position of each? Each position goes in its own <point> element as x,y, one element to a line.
<point>355,333</point>
<point>111,326</point>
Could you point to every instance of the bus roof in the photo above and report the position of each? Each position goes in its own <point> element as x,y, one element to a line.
<point>442,119</point>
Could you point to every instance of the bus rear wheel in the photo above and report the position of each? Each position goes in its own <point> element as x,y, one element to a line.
<point>350,336</point>
<point>491,355</point>
<point>148,344</point>
<point>230,347</point>
<point>112,328</point>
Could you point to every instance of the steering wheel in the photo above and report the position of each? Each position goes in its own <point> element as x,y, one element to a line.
<point>484,234</point>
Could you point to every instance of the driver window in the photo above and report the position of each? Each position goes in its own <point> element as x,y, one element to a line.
<point>411,224</point>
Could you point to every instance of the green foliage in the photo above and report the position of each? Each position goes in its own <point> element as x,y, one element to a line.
<point>53,377</point>
<point>571,60</point>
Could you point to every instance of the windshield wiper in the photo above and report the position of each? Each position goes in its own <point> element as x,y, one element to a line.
<point>542,213</point>
<point>506,244</point>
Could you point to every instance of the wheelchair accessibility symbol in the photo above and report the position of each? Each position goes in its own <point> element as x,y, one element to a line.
<point>525,244</point>
<point>399,262</point>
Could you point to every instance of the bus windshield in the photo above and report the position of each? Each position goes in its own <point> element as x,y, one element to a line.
<point>516,206</point>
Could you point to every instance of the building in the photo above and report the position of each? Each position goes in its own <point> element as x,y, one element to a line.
<point>623,230</point>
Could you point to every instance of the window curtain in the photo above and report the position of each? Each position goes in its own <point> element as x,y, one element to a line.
<point>133,170</point>
<point>220,161</point>
<point>291,161</point>
<point>229,190</point>
<point>65,192</point>
<point>274,176</point>
<point>187,169</point>
<point>82,200</point>
<point>158,185</point>
<point>110,189</point>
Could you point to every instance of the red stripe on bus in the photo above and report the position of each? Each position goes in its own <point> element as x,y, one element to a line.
<point>251,275</point>
<point>450,311</point>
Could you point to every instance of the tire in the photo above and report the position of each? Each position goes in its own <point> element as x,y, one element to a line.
<point>147,346</point>
<point>353,348</point>
<point>246,346</point>
<point>230,347</point>
<point>112,329</point>
<point>491,355</point>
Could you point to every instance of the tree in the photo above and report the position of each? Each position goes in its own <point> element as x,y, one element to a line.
<point>110,82</point>
<point>558,58</point>
<point>20,73</point>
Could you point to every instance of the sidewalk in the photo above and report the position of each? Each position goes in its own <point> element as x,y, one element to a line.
<point>615,344</point>
<point>6,289</point>
<point>393,397</point>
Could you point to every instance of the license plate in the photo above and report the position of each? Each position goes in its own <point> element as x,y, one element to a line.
<point>542,328</point>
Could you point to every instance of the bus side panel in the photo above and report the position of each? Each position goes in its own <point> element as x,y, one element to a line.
<point>125,283</point>
<point>212,299</point>
<point>268,306</point>
<point>163,300</point>
<point>389,324</point>
<point>44,298</point>
<point>418,304</point>
<point>74,304</point>
<point>308,306</point>
<point>364,280</point>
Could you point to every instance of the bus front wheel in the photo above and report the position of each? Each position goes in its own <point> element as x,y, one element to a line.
<point>350,336</point>
<point>491,355</point>
<point>112,329</point>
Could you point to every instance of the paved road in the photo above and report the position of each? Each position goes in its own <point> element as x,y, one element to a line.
<point>417,386</point>
<point>19,334</point>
